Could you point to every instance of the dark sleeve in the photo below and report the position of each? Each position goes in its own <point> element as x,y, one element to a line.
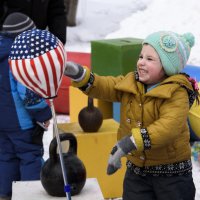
<point>34,104</point>
<point>57,19</point>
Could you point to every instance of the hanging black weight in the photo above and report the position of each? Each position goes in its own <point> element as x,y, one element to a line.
<point>90,118</point>
<point>51,173</point>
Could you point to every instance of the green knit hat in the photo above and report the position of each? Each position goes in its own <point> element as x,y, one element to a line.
<point>173,49</point>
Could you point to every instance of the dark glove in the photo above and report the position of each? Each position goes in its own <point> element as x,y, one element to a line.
<point>75,71</point>
<point>37,135</point>
<point>122,148</point>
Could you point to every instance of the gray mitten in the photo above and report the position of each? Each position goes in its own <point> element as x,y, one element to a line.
<point>122,148</point>
<point>75,71</point>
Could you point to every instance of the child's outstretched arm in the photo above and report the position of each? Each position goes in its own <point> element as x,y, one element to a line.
<point>93,85</point>
<point>35,105</point>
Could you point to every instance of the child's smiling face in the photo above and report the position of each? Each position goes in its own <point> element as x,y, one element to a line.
<point>149,66</point>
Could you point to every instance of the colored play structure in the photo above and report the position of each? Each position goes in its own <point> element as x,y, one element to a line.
<point>194,118</point>
<point>108,57</point>
<point>194,114</point>
<point>61,103</point>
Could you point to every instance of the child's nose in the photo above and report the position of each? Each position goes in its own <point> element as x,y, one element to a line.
<point>141,61</point>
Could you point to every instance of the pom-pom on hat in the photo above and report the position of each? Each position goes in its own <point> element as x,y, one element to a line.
<point>15,23</point>
<point>37,60</point>
<point>172,48</point>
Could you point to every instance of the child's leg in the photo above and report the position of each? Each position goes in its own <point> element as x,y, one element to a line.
<point>137,187</point>
<point>30,155</point>
<point>9,166</point>
<point>174,187</point>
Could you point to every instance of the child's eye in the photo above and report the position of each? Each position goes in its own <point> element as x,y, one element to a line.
<point>149,59</point>
<point>140,57</point>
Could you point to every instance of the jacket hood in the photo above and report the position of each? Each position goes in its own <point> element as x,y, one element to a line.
<point>164,90</point>
<point>128,84</point>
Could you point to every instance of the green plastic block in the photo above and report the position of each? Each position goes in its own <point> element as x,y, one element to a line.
<point>115,56</point>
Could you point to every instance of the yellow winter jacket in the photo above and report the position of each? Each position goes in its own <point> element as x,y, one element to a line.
<point>162,112</point>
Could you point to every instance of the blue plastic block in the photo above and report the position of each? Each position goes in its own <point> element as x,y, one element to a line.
<point>116,111</point>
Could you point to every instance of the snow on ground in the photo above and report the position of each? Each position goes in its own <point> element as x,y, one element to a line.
<point>105,19</point>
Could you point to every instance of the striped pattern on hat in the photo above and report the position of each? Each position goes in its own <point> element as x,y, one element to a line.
<point>16,23</point>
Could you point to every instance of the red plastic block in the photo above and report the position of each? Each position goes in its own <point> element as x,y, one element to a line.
<point>61,102</point>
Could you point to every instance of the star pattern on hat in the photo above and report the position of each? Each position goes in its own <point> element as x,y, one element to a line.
<point>31,44</point>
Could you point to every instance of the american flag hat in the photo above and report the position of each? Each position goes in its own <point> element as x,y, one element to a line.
<point>37,60</point>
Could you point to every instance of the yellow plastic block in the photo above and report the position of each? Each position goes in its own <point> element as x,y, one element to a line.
<point>94,150</point>
<point>78,100</point>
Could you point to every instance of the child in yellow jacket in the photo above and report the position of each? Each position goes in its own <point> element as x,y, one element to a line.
<point>153,132</point>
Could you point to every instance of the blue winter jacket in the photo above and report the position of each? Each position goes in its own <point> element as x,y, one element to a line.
<point>20,108</point>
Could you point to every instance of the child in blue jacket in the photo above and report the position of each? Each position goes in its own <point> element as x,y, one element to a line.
<point>21,148</point>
